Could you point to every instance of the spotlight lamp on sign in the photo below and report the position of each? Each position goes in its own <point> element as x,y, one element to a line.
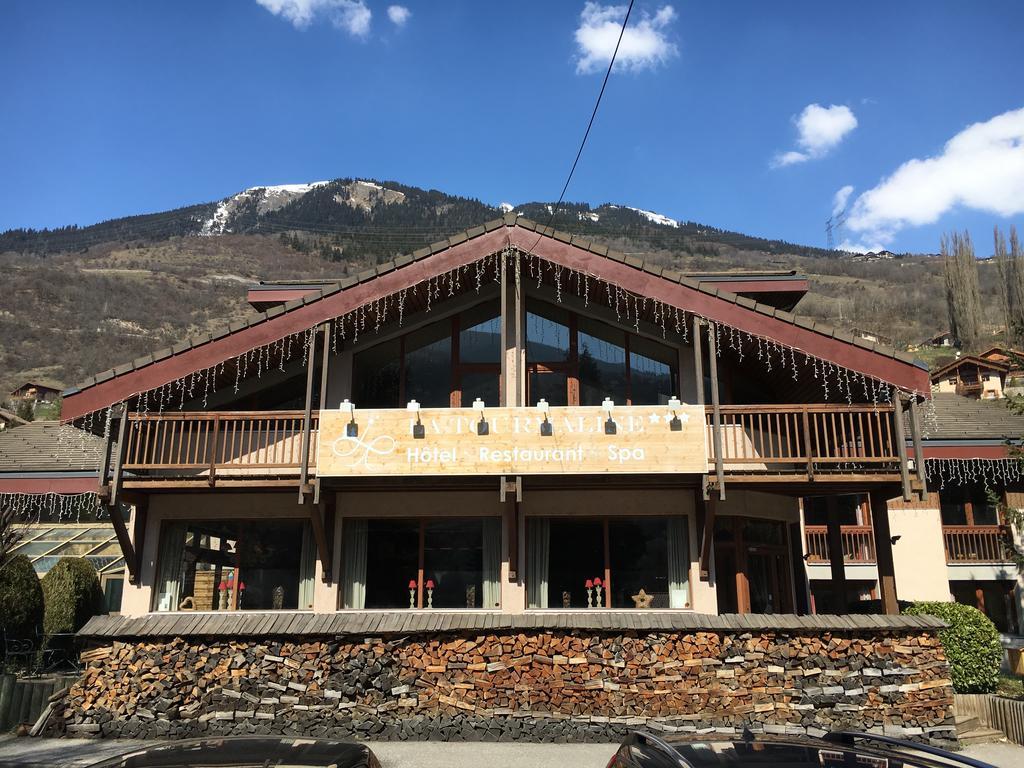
<point>418,432</point>
<point>609,424</point>
<point>351,429</point>
<point>544,410</point>
<point>675,423</point>
<point>481,425</point>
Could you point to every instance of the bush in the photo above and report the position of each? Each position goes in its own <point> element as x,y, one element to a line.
<point>21,599</point>
<point>73,595</point>
<point>971,642</point>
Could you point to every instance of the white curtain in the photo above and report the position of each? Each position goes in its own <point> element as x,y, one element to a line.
<point>172,555</point>
<point>678,562</point>
<point>354,538</point>
<point>492,563</point>
<point>537,555</point>
<point>307,568</point>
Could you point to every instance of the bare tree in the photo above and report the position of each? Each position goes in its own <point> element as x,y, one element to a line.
<point>963,296</point>
<point>1010,263</point>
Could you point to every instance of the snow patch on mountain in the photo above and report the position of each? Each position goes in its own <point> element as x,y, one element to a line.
<point>267,199</point>
<point>506,207</point>
<point>655,218</point>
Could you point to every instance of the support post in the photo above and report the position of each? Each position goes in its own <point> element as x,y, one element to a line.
<point>124,540</point>
<point>139,521</point>
<point>104,470</point>
<point>707,540</point>
<point>840,593</point>
<point>122,453</point>
<point>325,364</point>
<point>307,420</point>
<point>511,494</point>
<point>915,436</point>
<point>698,375</point>
<point>317,514</point>
<point>901,444</point>
<point>883,551</point>
<point>716,413</point>
<point>503,393</point>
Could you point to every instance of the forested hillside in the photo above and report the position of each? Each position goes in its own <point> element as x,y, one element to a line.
<point>77,300</point>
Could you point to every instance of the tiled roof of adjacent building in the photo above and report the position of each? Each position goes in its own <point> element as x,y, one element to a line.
<point>965,418</point>
<point>49,446</point>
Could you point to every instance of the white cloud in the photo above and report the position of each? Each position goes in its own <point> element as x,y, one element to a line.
<point>352,16</point>
<point>399,14</point>
<point>645,43</point>
<point>982,168</point>
<point>841,197</point>
<point>820,129</point>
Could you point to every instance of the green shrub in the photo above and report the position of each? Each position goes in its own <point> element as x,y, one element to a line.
<point>21,599</point>
<point>972,645</point>
<point>73,595</point>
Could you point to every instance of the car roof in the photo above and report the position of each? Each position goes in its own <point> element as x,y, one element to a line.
<point>245,751</point>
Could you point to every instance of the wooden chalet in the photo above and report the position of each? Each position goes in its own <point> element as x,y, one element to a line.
<point>491,423</point>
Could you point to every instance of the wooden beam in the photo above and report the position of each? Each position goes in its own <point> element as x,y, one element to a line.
<point>840,593</point>
<point>716,413</point>
<point>901,445</point>
<point>503,393</point>
<point>915,436</point>
<point>883,552</point>
<point>104,469</point>
<point>307,419</point>
<point>707,540</point>
<point>139,522</point>
<point>122,452</point>
<point>124,540</point>
<point>317,514</point>
<point>325,364</point>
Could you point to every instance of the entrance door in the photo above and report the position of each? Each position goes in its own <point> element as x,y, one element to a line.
<point>753,573</point>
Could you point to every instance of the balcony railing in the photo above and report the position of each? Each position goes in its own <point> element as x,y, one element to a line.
<point>858,544</point>
<point>236,442</point>
<point>758,442</point>
<point>974,544</point>
<point>822,438</point>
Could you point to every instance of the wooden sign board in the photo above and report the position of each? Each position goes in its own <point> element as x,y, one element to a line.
<point>513,441</point>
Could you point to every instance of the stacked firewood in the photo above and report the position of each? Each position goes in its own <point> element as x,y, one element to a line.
<point>537,686</point>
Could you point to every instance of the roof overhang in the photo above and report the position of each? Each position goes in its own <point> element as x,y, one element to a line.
<point>41,483</point>
<point>568,251</point>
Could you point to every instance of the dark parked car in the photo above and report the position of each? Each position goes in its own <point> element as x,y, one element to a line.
<point>836,750</point>
<point>248,752</point>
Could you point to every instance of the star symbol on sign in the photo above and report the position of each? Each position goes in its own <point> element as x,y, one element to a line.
<point>653,418</point>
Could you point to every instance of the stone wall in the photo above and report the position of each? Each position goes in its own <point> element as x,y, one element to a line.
<point>552,685</point>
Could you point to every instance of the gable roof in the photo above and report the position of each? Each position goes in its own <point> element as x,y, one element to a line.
<point>49,446</point>
<point>980,362</point>
<point>560,248</point>
<point>955,417</point>
<point>39,384</point>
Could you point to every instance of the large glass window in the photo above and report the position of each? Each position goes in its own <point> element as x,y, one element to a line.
<point>450,362</point>
<point>575,360</point>
<point>235,565</point>
<point>850,509</point>
<point>968,505</point>
<point>638,562</point>
<point>450,563</point>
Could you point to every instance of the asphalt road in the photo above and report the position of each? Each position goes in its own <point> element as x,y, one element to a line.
<point>77,753</point>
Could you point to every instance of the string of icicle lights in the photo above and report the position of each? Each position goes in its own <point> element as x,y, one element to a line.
<point>55,507</point>
<point>629,308</point>
<point>998,472</point>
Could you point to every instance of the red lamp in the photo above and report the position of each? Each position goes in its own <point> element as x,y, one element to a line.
<point>412,583</point>
<point>430,584</point>
<point>597,581</point>
<point>222,586</point>
<point>241,586</point>
<point>589,584</point>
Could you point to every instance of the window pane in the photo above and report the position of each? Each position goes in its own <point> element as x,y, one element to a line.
<point>576,554</point>
<point>375,372</point>
<point>553,387</point>
<point>652,372</point>
<point>602,351</point>
<point>639,560</point>
<point>952,505</point>
<point>547,334</point>
<point>480,335</point>
<point>483,385</point>
<point>428,365</point>
<point>453,558</point>
<point>392,561</point>
<point>985,511</point>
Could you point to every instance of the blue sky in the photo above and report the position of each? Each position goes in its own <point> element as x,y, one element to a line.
<point>115,108</point>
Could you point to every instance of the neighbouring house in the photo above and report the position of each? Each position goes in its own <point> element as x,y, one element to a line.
<point>37,392</point>
<point>971,376</point>
<point>9,420</point>
<point>48,471</point>
<point>944,339</point>
<point>541,489</point>
<point>952,542</point>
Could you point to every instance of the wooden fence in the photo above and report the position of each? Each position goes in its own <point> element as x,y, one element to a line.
<point>22,700</point>
<point>858,543</point>
<point>1006,715</point>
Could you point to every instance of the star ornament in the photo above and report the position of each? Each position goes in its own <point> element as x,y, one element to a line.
<point>642,600</point>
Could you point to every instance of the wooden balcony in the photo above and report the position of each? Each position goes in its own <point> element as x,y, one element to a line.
<point>760,443</point>
<point>974,544</point>
<point>858,544</point>
<point>806,441</point>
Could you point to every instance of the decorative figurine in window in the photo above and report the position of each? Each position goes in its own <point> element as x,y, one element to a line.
<point>566,600</point>
<point>278,597</point>
<point>471,596</point>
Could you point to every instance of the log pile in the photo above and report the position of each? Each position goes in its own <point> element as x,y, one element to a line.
<point>539,686</point>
